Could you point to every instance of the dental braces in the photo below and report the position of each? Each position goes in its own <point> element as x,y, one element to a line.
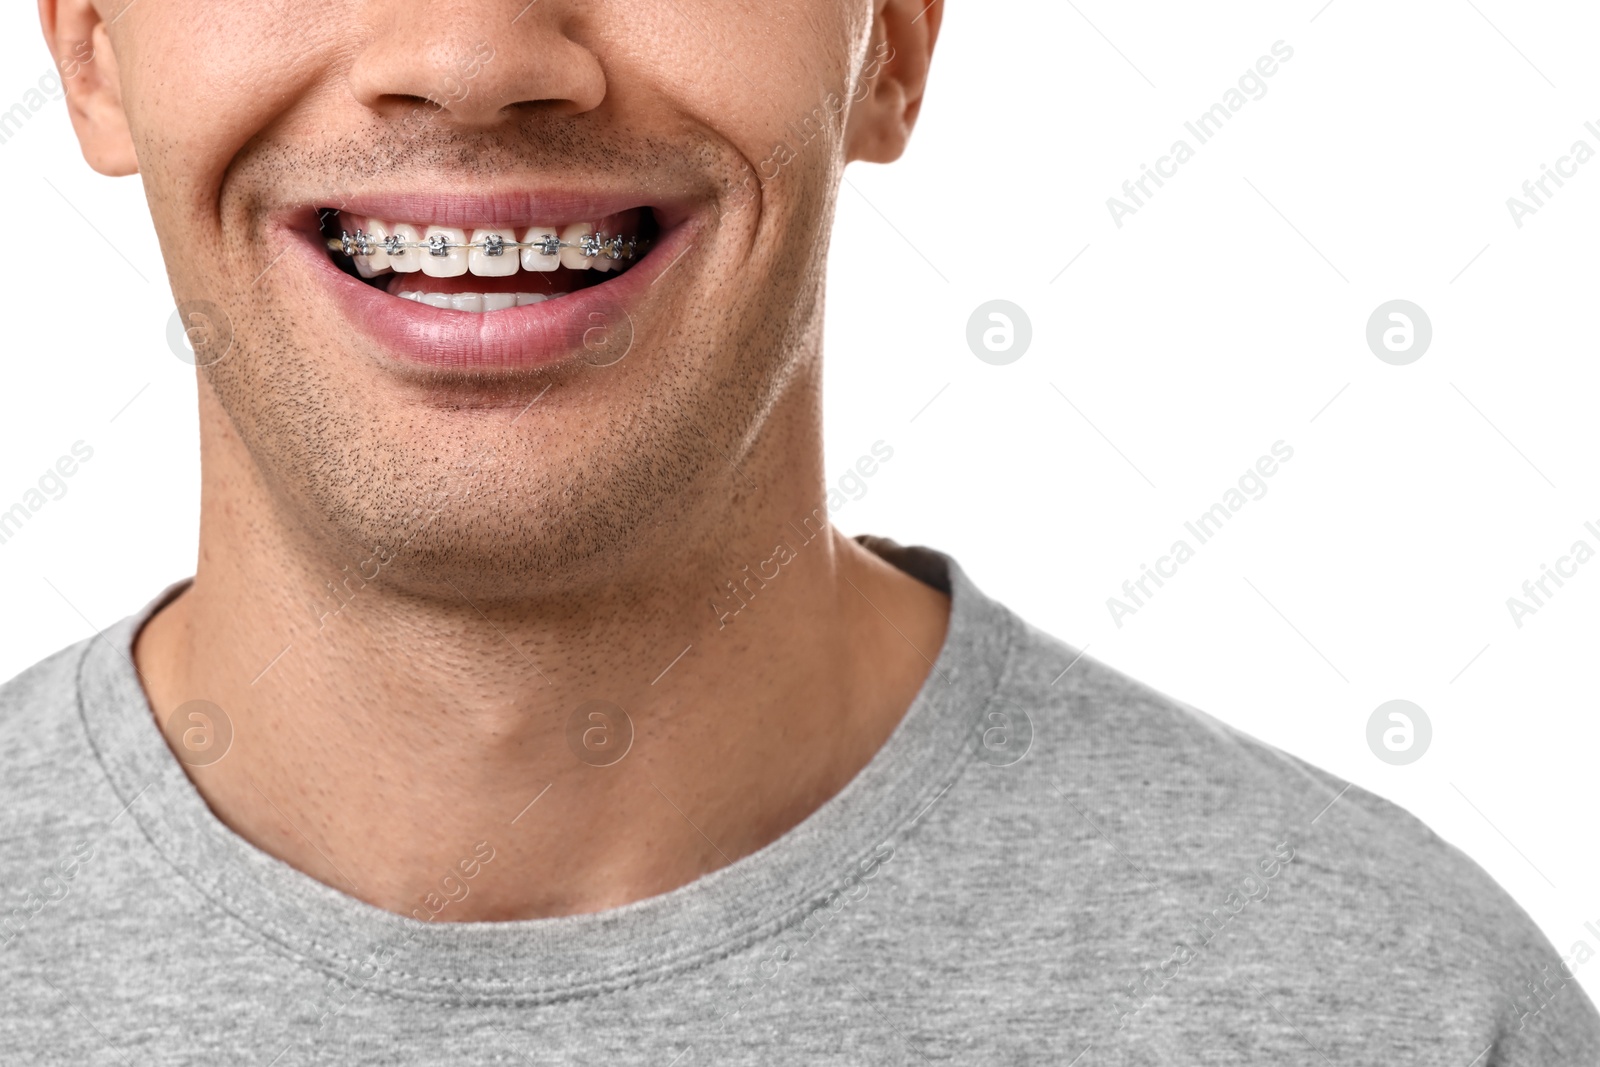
<point>613,247</point>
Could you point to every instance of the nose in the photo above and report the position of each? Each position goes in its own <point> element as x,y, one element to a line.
<point>478,61</point>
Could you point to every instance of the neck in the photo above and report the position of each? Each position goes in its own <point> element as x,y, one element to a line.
<point>597,746</point>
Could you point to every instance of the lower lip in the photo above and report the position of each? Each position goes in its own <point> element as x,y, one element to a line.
<point>594,325</point>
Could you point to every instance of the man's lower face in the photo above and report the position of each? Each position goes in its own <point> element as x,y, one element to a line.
<point>508,285</point>
<point>500,375</point>
<point>524,415</point>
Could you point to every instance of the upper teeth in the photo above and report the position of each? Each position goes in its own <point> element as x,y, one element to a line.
<point>446,252</point>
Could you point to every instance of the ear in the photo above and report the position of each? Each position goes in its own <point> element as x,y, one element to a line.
<point>889,95</point>
<point>81,46</point>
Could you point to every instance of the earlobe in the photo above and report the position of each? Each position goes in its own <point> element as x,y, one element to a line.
<point>893,78</point>
<point>78,39</point>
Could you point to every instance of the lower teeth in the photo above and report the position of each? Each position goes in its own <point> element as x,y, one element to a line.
<point>478,302</point>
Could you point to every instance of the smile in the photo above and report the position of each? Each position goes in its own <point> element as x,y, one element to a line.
<point>480,283</point>
<point>575,255</point>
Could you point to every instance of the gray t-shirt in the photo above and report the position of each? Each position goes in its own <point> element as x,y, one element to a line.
<point>1047,862</point>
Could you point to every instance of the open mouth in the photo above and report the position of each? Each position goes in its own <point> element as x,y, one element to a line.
<point>481,282</point>
<point>486,268</point>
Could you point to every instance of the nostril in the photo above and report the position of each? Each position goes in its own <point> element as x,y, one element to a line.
<point>405,107</point>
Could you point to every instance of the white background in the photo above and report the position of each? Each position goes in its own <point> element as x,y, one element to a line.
<point>1227,314</point>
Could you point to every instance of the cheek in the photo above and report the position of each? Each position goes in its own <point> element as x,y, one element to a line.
<point>767,94</point>
<point>202,79</point>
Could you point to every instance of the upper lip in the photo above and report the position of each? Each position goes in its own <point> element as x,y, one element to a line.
<point>509,209</point>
